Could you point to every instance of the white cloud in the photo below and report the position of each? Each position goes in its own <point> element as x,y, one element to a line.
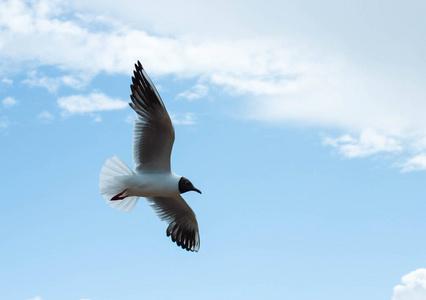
<point>197,91</point>
<point>45,116</point>
<point>368,143</point>
<point>415,163</point>
<point>82,104</point>
<point>409,152</point>
<point>413,286</point>
<point>69,44</point>
<point>183,119</point>
<point>9,102</point>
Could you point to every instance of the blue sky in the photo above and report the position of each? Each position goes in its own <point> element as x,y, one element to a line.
<point>302,124</point>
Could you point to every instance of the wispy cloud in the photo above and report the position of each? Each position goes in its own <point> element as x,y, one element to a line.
<point>45,117</point>
<point>4,122</point>
<point>409,152</point>
<point>413,286</point>
<point>97,118</point>
<point>52,84</point>
<point>7,81</point>
<point>83,104</point>
<point>183,119</point>
<point>130,119</point>
<point>415,163</point>
<point>197,91</point>
<point>9,102</point>
<point>368,143</point>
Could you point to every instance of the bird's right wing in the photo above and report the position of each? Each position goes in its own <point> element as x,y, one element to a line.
<point>153,132</point>
<point>183,226</point>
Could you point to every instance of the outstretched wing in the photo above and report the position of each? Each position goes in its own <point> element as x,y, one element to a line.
<point>153,132</point>
<point>183,226</point>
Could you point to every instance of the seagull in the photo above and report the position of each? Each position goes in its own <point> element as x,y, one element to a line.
<point>153,137</point>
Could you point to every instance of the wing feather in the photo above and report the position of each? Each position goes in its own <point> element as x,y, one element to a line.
<point>153,132</point>
<point>183,226</point>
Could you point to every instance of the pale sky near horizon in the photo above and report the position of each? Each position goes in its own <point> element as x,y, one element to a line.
<point>302,122</point>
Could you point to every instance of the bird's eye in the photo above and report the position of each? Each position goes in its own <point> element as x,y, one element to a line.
<point>187,182</point>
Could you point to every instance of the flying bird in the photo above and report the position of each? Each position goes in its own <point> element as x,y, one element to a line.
<point>153,137</point>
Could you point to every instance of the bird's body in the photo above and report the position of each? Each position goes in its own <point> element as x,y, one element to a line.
<point>153,138</point>
<point>151,184</point>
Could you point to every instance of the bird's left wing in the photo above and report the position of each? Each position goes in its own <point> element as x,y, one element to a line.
<point>183,226</point>
<point>153,132</point>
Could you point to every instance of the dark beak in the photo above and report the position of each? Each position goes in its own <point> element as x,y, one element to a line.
<point>197,190</point>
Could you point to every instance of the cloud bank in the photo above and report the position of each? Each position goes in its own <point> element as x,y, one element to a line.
<point>283,80</point>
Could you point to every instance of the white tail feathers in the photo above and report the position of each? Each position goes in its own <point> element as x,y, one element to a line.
<point>111,183</point>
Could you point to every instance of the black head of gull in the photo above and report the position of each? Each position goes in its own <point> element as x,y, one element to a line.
<point>185,186</point>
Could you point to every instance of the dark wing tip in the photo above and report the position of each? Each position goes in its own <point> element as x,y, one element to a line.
<point>186,238</point>
<point>138,65</point>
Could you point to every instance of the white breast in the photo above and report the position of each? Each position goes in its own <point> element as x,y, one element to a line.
<point>152,184</point>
